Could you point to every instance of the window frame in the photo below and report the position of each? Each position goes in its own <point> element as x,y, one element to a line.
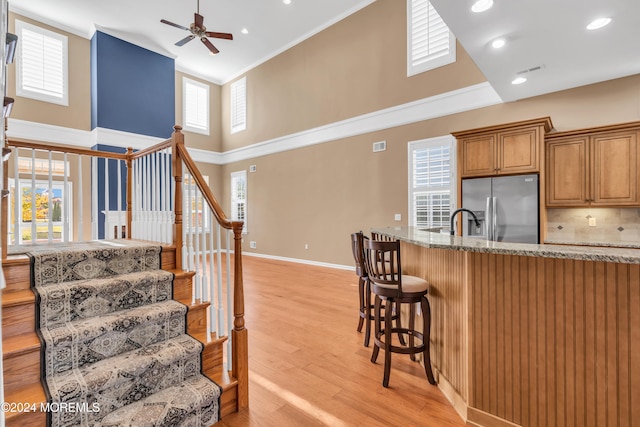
<point>238,124</point>
<point>417,66</point>
<point>40,183</point>
<point>204,130</point>
<point>34,94</point>
<point>453,187</point>
<point>234,217</point>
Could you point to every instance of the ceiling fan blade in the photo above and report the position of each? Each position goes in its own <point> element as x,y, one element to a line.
<point>209,45</point>
<point>226,36</point>
<point>185,40</point>
<point>164,21</point>
<point>198,20</point>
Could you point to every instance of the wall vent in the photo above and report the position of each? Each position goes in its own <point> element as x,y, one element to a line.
<point>379,146</point>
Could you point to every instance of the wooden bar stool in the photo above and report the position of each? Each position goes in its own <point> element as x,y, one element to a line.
<point>364,289</point>
<point>388,284</point>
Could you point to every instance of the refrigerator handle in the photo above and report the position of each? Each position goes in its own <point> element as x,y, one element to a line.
<point>488,220</point>
<point>494,222</point>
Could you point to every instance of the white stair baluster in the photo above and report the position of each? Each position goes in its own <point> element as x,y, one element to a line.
<point>119,195</point>
<point>80,201</point>
<point>108,232</point>
<point>17,198</point>
<point>34,231</point>
<point>66,197</point>
<point>94,198</point>
<point>220,323</point>
<point>50,200</point>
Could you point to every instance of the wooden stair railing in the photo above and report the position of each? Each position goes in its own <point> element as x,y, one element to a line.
<point>239,338</point>
<point>179,157</point>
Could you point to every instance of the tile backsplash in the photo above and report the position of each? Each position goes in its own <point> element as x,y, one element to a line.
<point>612,225</point>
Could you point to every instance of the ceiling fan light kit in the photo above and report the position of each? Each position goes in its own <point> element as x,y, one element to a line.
<point>197,29</point>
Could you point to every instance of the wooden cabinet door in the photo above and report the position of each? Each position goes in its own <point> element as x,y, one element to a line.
<point>478,156</point>
<point>614,165</point>
<point>567,172</point>
<point>518,151</point>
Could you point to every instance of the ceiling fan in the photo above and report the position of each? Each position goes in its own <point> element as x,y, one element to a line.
<point>197,29</point>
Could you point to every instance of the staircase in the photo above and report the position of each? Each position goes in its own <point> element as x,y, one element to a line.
<point>22,350</point>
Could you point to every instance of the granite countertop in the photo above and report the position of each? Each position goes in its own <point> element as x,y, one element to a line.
<point>629,245</point>
<point>429,239</point>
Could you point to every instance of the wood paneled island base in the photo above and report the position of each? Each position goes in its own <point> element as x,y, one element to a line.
<point>531,335</point>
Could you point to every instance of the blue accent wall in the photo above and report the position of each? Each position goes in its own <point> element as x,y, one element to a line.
<point>132,88</point>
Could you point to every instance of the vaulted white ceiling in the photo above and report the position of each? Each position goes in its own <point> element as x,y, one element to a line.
<point>549,34</point>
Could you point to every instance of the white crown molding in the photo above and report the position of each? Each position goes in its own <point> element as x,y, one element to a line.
<point>302,38</point>
<point>85,33</point>
<point>457,101</point>
<point>465,99</point>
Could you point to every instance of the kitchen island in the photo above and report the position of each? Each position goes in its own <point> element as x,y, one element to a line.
<point>531,335</point>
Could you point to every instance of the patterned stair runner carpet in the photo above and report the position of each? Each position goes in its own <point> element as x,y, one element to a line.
<point>115,348</point>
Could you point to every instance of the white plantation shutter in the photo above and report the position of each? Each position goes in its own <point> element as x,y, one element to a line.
<point>42,64</point>
<point>430,43</point>
<point>431,182</point>
<point>239,105</point>
<point>195,103</point>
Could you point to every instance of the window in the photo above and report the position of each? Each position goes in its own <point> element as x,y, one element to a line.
<point>430,44</point>
<point>239,198</point>
<point>239,105</point>
<point>431,182</point>
<point>42,64</point>
<point>195,106</point>
<point>191,195</point>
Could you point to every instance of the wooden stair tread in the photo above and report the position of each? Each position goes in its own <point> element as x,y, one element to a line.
<point>212,339</point>
<point>21,344</point>
<point>20,259</point>
<point>12,298</point>
<point>224,379</point>
<point>31,393</point>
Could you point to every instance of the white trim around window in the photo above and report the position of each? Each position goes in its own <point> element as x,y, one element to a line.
<point>239,198</point>
<point>42,66</point>
<point>195,106</point>
<point>238,100</point>
<point>430,43</point>
<point>432,181</point>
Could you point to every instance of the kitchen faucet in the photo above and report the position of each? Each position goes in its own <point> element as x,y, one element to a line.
<point>453,215</point>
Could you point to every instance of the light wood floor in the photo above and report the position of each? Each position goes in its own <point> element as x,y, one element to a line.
<point>308,365</point>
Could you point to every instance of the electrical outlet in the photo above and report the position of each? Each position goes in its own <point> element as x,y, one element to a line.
<point>306,246</point>
<point>397,217</point>
<point>592,222</point>
<point>252,244</point>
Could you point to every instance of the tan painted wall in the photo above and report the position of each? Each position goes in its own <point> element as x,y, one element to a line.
<point>211,142</point>
<point>320,194</point>
<point>355,67</point>
<point>77,114</point>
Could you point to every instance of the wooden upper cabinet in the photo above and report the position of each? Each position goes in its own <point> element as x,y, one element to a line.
<point>479,155</point>
<point>615,168</point>
<point>594,167</point>
<point>567,164</point>
<point>508,149</point>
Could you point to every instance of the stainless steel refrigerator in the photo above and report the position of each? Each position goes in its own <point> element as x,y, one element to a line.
<point>507,208</point>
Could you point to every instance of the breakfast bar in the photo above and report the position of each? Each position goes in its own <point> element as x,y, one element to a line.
<point>531,335</point>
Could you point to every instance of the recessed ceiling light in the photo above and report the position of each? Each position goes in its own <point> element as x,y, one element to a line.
<point>244,31</point>
<point>518,81</point>
<point>498,43</point>
<point>286,1</point>
<point>598,23</point>
<point>481,5</point>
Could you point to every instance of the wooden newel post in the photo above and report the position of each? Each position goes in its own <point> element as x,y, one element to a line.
<point>129,190</point>
<point>239,340</point>
<point>177,139</point>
